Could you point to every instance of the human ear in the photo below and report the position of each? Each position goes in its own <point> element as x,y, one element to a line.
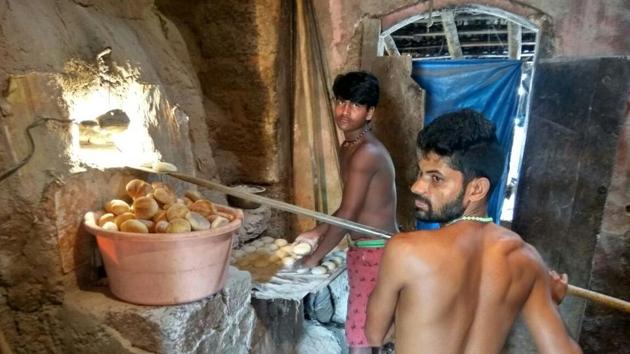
<point>478,189</point>
<point>370,113</point>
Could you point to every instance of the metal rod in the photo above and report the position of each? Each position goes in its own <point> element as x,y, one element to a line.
<point>329,219</point>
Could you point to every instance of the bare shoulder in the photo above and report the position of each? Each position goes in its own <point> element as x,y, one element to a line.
<point>371,153</point>
<point>514,247</point>
<point>422,250</point>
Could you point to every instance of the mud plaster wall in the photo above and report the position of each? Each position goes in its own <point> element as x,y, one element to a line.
<point>241,51</point>
<point>43,200</point>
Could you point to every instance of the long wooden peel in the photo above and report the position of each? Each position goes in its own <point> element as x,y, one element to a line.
<point>599,298</point>
<point>333,220</point>
<point>364,229</point>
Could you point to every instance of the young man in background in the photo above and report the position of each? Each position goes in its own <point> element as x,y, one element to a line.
<point>369,197</point>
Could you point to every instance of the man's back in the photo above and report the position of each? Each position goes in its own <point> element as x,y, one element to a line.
<point>463,288</point>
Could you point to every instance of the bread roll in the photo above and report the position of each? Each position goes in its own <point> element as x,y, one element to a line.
<point>219,221</point>
<point>161,227</point>
<point>319,270</point>
<point>197,221</point>
<point>149,224</point>
<point>160,166</point>
<point>302,249</point>
<point>280,242</point>
<point>117,207</point>
<point>176,211</point>
<point>133,225</point>
<point>145,207</point>
<point>122,218</point>
<point>329,265</point>
<point>178,226</point>
<point>164,195</point>
<point>288,261</point>
<point>107,217</point>
<point>110,226</point>
<point>137,188</point>
<point>203,207</point>
<point>258,243</point>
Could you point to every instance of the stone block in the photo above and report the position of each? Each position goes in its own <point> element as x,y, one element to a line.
<point>93,321</point>
<point>279,325</point>
<point>317,339</point>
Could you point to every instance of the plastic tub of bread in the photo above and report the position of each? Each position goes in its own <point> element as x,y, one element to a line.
<point>157,257</point>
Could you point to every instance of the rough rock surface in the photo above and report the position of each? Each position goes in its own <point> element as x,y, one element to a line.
<point>318,339</point>
<point>92,321</point>
<point>255,223</point>
<point>43,251</point>
<point>279,325</point>
<point>240,56</point>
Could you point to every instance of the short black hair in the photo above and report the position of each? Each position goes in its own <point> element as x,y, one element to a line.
<point>357,86</point>
<point>469,140</point>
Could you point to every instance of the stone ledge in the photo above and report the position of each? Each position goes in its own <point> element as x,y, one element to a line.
<point>94,321</point>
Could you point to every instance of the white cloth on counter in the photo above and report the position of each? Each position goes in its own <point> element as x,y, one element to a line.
<point>291,285</point>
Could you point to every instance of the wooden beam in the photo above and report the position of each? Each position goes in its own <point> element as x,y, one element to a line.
<point>390,46</point>
<point>369,45</point>
<point>514,40</point>
<point>450,30</point>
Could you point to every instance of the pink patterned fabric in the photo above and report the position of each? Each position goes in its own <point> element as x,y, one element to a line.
<point>362,272</point>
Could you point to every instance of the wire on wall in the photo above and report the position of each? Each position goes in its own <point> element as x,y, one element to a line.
<point>4,175</point>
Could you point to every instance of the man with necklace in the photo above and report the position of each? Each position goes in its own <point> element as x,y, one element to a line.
<point>369,197</point>
<point>460,288</point>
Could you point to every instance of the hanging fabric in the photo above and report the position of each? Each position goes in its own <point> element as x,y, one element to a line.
<point>316,179</point>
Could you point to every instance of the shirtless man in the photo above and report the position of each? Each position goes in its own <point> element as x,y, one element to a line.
<point>369,197</point>
<point>459,289</point>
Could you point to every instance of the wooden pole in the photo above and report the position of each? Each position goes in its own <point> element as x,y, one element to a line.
<point>364,229</point>
<point>599,298</point>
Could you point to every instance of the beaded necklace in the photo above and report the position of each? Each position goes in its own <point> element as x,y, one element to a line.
<point>481,219</point>
<point>347,143</point>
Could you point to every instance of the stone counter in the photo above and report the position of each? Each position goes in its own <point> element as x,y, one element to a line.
<point>94,321</point>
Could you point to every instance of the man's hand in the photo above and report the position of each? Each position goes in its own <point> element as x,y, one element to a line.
<point>559,285</point>
<point>310,261</point>
<point>310,237</point>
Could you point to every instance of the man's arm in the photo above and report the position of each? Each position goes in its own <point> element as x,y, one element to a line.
<point>361,169</point>
<point>384,298</point>
<point>543,319</point>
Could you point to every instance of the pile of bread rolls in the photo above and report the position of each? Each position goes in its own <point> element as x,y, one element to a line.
<point>268,253</point>
<point>155,208</point>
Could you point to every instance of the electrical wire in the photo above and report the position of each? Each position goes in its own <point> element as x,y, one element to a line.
<point>31,142</point>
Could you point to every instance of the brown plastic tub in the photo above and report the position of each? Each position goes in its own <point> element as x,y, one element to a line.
<point>166,269</point>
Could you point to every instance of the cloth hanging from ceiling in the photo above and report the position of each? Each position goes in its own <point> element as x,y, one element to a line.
<point>316,178</point>
<point>488,86</point>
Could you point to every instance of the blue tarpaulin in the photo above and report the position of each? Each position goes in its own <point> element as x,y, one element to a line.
<point>487,86</point>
